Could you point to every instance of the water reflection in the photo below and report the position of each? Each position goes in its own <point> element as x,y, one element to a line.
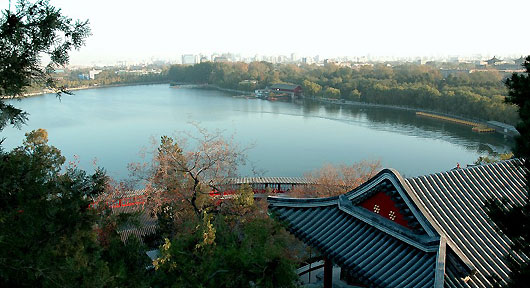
<point>406,122</point>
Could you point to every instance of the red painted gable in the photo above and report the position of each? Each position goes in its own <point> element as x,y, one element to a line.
<point>382,204</point>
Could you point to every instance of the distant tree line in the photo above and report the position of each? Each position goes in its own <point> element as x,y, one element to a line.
<point>107,77</point>
<point>71,79</point>
<point>476,95</point>
<point>113,76</point>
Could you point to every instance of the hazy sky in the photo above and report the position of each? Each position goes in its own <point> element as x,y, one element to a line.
<point>133,29</point>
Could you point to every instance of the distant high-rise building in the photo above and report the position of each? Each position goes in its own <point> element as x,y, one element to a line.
<point>307,60</point>
<point>190,59</point>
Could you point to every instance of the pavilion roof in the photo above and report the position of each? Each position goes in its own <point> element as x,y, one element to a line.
<point>268,180</point>
<point>284,86</point>
<point>143,224</point>
<point>450,241</point>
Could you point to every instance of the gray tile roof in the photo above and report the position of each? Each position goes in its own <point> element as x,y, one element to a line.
<point>143,224</point>
<point>284,86</point>
<point>373,257</point>
<point>454,201</point>
<point>453,244</point>
<point>268,180</point>
<point>377,251</point>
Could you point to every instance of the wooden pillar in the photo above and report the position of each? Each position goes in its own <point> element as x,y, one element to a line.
<point>328,273</point>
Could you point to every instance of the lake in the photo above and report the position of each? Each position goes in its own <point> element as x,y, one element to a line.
<point>110,126</point>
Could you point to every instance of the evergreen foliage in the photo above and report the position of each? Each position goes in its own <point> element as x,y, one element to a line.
<point>33,30</point>
<point>46,230</point>
<point>519,94</point>
<point>224,251</point>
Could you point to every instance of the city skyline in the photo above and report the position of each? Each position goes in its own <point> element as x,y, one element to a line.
<point>294,58</point>
<point>136,30</point>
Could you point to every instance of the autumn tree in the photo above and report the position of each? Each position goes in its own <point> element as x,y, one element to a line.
<point>311,88</point>
<point>331,92</point>
<point>186,169</point>
<point>226,240</point>
<point>332,180</point>
<point>183,173</point>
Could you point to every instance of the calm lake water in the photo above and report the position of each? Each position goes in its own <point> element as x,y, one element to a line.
<point>112,125</point>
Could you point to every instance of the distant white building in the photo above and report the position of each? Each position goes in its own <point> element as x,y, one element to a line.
<point>92,73</point>
<point>190,59</point>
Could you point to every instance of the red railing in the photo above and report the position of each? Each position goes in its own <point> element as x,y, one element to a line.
<point>123,202</point>
<point>141,199</point>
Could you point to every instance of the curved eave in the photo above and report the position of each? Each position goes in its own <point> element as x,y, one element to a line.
<point>376,258</point>
<point>416,206</point>
<point>276,201</point>
<point>423,242</point>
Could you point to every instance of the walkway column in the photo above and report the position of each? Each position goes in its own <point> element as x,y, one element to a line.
<point>328,273</point>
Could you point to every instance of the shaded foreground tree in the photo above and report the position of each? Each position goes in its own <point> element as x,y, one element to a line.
<point>32,31</point>
<point>226,251</point>
<point>47,230</point>
<point>514,220</point>
<point>331,180</point>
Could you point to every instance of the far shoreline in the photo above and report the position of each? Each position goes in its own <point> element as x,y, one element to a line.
<point>33,94</point>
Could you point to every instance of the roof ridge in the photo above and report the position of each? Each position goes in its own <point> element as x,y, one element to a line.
<point>514,161</point>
